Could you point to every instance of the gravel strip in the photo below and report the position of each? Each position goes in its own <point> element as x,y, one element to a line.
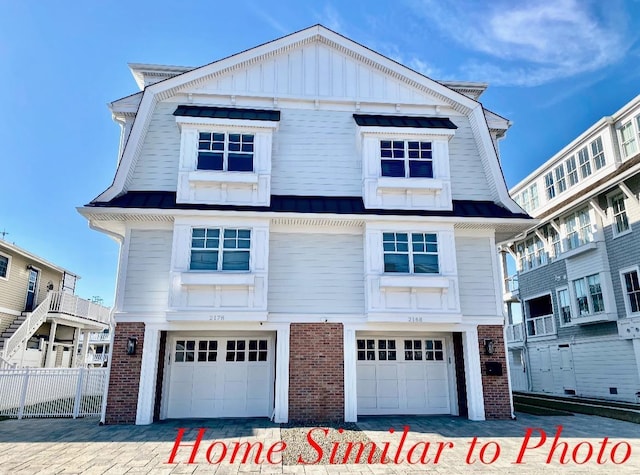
<point>332,446</point>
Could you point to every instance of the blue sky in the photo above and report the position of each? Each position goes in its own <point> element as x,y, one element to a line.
<point>554,67</point>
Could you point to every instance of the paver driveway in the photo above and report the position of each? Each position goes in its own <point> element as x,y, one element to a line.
<point>82,446</point>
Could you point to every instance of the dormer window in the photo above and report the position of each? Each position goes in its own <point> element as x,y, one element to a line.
<point>406,158</point>
<point>405,161</point>
<point>227,152</point>
<point>225,155</point>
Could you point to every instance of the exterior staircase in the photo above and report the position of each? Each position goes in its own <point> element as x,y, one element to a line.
<point>56,304</point>
<point>11,329</point>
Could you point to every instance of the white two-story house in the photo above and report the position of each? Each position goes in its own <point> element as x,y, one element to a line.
<point>307,231</point>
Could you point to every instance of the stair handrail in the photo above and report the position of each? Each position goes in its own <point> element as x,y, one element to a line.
<point>26,330</point>
<point>4,364</point>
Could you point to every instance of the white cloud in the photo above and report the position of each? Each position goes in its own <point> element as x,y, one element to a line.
<point>531,43</point>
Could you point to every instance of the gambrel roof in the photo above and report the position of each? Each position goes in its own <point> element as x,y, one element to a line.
<point>255,72</point>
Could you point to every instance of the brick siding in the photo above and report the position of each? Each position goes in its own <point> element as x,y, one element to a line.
<point>316,372</point>
<point>497,404</point>
<point>124,381</point>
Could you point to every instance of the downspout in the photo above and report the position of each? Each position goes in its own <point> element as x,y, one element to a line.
<point>508,369</point>
<point>112,329</point>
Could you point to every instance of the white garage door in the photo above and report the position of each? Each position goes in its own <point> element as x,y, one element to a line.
<point>402,375</point>
<point>220,377</point>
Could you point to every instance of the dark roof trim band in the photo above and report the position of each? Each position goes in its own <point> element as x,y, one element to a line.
<point>366,120</point>
<point>227,113</point>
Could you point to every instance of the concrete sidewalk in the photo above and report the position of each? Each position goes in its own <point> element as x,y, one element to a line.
<point>82,446</point>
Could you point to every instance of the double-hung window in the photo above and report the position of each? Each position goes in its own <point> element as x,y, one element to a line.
<point>629,144</point>
<point>225,152</point>
<point>406,158</point>
<point>589,299</point>
<point>597,152</point>
<point>621,222</point>
<point>631,286</point>
<point>585,164</point>
<point>412,253</point>
<point>550,186</point>
<point>564,305</point>
<point>556,243</point>
<point>561,184</point>
<point>579,229</point>
<point>219,249</point>
<point>572,172</point>
<point>4,266</point>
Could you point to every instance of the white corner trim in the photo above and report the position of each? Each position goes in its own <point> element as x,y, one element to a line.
<point>473,375</point>
<point>350,375</point>
<point>281,403</point>
<point>147,388</point>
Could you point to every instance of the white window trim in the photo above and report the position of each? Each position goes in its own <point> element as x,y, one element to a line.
<point>625,297</point>
<point>192,182</point>
<point>569,296</point>
<point>525,318</point>
<point>410,254</point>
<point>575,311</point>
<point>220,250</point>
<point>421,192</point>
<point>614,227</point>
<point>6,277</point>
<point>635,135</point>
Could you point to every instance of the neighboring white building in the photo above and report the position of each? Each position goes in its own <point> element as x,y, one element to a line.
<point>578,268</point>
<point>308,231</point>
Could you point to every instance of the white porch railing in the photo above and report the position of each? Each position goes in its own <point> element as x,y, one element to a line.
<point>99,338</point>
<point>69,304</point>
<point>28,327</point>
<point>52,392</point>
<point>96,358</point>
<point>541,326</point>
<point>4,364</point>
<point>511,284</point>
<point>515,333</point>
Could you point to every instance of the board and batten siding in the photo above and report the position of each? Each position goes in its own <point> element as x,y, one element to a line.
<point>316,273</point>
<point>157,165</point>
<point>598,365</point>
<point>147,278</point>
<point>475,276</point>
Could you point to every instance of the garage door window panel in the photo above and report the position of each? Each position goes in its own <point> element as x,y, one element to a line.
<point>413,350</point>
<point>257,350</point>
<point>207,350</point>
<point>185,351</point>
<point>434,350</point>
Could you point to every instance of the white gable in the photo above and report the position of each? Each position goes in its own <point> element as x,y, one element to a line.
<point>318,70</point>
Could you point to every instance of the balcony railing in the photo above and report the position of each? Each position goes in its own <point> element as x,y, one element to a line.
<point>541,326</point>
<point>515,333</point>
<point>69,304</point>
<point>99,338</point>
<point>511,283</point>
<point>96,358</point>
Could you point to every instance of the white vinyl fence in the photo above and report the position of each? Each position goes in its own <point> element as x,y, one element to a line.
<point>52,392</point>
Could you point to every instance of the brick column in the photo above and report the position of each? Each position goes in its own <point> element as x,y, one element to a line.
<point>497,400</point>
<point>124,379</point>
<point>316,372</point>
